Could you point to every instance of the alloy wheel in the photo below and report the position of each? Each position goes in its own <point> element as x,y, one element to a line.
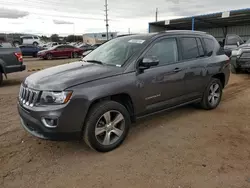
<point>110,127</point>
<point>214,94</point>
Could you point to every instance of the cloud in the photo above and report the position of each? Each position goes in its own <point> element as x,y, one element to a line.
<point>12,13</point>
<point>62,22</point>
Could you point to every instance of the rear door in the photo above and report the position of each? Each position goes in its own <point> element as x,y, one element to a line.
<point>59,52</point>
<point>194,63</point>
<point>68,50</point>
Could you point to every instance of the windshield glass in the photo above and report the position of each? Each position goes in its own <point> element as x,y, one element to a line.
<point>117,51</point>
<point>248,41</point>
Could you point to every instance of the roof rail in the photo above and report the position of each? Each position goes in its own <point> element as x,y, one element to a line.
<point>184,31</point>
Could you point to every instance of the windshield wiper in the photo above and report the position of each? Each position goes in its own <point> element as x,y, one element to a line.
<point>94,61</point>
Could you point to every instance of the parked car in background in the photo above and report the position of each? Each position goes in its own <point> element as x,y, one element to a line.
<point>60,51</point>
<point>240,59</point>
<point>124,79</point>
<point>30,50</point>
<point>11,60</point>
<point>33,40</point>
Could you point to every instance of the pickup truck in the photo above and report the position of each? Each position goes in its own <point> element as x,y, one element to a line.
<point>11,60</point>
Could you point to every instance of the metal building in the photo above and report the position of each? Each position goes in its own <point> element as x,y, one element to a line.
<point>217,24</point>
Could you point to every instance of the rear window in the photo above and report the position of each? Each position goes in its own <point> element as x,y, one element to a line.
<point>189,48</point>
<point>209,45</point>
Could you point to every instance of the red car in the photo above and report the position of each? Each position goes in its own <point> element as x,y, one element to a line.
<point>60,51</point>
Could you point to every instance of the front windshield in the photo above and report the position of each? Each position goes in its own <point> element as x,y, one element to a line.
<point>116,51</point>
<point>248,41</point>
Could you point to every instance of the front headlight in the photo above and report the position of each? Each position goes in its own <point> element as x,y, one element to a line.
<point>52,98</point>
<point>237,52</point>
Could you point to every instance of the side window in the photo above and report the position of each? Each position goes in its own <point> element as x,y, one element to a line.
<point>165,50</point>
<point>60,48</point>
<point>209,45</point>
<point>200,47</point>
<point>27,37</point>
<point>189,48</point>
<point>35,37</point>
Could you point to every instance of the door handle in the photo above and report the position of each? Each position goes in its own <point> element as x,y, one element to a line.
<point>177,69</point>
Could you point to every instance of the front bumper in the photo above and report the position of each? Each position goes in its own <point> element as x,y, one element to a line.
<point>31,121</point>
<point>243,63</point>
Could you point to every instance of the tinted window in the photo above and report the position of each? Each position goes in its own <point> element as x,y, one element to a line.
<point>35,37</point>
<point>189,48</point>
<point>209,45</point>
<point>233,39</point>
<point>200,47</point>
<point>71,47</point>
<point>60,47</point>
<point>165,50</point>
<point>27,37</point>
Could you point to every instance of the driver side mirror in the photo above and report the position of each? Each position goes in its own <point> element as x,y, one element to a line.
<point>238,43</point>
<point>148,62</point>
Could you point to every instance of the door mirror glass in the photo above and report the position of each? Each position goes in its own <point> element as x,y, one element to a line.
<point>148,62</point>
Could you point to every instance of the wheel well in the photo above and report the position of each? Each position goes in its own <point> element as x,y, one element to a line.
<point>221,77</point>
<point>123,99</point>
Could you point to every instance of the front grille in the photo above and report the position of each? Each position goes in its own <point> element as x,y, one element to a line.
<point>245,55</point>
<point>28,96</point>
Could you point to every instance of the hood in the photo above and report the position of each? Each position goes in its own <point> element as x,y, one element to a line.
<point>61,77</point>
<point>244,46</point>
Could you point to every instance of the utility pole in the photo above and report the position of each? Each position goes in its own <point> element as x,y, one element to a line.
<point>106,20</point>
<point>156,15</point>
<point>129,31</point>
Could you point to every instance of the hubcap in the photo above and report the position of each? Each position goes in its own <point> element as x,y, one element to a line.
<point>110,127</point>
<point>214,94</point>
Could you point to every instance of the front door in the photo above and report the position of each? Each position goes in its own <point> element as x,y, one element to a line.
<point>162,86</point>
<point>194,63</point>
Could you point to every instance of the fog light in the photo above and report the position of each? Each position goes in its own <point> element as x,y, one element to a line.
<point>50,122</point>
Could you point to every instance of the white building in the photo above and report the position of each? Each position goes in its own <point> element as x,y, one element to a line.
<point>97,38</point>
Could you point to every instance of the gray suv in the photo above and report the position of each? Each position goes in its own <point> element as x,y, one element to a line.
<point>126,78</point>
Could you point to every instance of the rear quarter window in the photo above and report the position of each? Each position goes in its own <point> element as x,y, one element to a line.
<point>210,45</point>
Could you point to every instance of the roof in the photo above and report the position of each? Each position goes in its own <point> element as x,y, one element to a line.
<point>237,17</point>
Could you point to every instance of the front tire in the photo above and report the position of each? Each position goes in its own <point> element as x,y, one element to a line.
<point>35,44</point>
<point>74,55</point>
<point>106,126</point>
<point>49,56</point>
<point>212,95</point>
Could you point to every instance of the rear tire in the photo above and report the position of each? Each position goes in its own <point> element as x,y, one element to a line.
<point>106,126</point>
<point>74,55</point>
<point>212,95</point>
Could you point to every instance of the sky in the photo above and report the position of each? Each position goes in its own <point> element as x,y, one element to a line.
<point>84,16</point>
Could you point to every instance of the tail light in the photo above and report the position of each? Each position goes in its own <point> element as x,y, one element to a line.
<point>19,56</point>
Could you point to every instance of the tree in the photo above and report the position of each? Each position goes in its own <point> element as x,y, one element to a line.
<point>74,38</point>
<point>55,38</point>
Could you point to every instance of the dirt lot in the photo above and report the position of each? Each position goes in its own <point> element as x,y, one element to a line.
<point>185,148</point>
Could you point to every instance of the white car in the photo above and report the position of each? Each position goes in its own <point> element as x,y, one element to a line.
<point>33,40</point>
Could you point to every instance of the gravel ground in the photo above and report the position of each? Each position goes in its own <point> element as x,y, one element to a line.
<point>184,148</point>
